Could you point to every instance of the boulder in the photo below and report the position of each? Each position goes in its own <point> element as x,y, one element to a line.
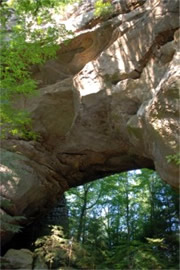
<point>18,259</point>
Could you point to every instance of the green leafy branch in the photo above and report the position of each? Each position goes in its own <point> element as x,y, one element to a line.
<point>21,48</point>
<point>102,9</point>
<point>174,158</point>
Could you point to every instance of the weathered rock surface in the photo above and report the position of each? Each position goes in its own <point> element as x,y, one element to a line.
<point>107,104</point>
<point>18,259</point>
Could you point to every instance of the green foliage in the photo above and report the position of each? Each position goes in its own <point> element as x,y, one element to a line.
<point>16,122</point>
<point>103,9</point>
<point>132,223</point>
<point>53,248</point>
<point>57,251</point>
<point>25,45</point>
<point>125,221</point>
<point>174,158</point>
<point>137,256</point>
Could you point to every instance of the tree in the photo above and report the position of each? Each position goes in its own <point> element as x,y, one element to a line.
<point>133,223</point>
<point>88,197</point>
<point>23,46</point>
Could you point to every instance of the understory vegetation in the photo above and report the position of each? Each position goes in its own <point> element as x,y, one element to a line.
<point>124,221</point>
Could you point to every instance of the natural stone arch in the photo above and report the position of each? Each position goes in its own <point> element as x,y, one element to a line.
<point>107,104</point>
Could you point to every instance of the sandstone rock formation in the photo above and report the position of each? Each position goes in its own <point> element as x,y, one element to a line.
<point>22,259</point>
<point>107,104</point>
<point>18,259</point>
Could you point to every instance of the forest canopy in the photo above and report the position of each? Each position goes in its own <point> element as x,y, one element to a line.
<point>126,221</point>
<point>123,221</point>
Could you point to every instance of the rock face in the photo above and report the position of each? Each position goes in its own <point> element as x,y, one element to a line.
<point>22,259</point>
<point>18,259</point>
<point>59,215</point>
<point>107,104</point>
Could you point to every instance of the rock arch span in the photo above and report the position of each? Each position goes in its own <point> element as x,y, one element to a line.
<point>107,104</point>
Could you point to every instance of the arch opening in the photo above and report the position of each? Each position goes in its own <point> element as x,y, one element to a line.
<point>118,221</point>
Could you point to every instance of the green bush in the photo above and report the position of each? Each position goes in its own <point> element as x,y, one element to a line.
<point>53,248</point>
<point>174,158</point>
<point>102,9</point>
